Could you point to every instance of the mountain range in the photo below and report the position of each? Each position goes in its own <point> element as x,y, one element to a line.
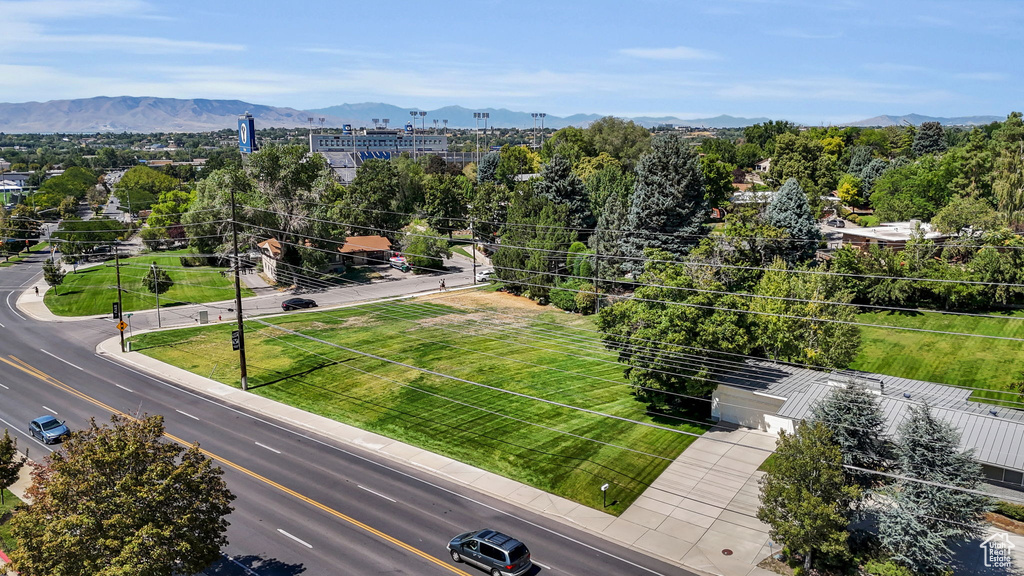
<point>148,114</point>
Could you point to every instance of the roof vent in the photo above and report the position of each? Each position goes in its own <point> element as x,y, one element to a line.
<point>994,412</point>
<point>906,394</point>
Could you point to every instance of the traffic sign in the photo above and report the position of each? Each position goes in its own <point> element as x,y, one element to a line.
<point>116,311</point>
<point>121,325</point>
<point>235,340</point>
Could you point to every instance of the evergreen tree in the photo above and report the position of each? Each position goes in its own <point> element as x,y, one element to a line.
<point>922,520</point>
<point>606,240</point>
<point>853,416</point>
<point>157,280</point>
<point>790,211</point>
<point>559,184</point>
<point>805,497</point>
<point>930,138</point>
<point>528,258</point>
<point>871,171</point>
<point>860,156</point>
<point>488,168</point>
<point>668,206</point>
<point>10,463</point>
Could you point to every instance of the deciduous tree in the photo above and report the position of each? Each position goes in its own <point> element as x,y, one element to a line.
<point>10,463</point>
<point>53,275</point>
<point>805,497</point>
<point>120,499</point>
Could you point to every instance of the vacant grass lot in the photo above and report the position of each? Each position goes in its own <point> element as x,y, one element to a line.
<point>558,449</point>
<point>91,290</point>
<point>956,360</point>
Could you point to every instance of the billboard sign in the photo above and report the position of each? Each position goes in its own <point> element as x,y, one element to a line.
<point>346,129</point>
<point>246,134</point>
<point>408,127</point>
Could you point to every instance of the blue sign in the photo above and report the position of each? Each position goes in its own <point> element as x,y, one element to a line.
<point>408,127</point>
<point>346,129</point>
<point>246,134</point>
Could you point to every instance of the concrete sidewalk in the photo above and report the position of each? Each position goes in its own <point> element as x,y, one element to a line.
<point>699,506</point>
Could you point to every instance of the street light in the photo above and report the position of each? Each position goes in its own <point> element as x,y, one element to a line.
<point>485,116</point>
<point>542,115</point>
<point>477,116</point>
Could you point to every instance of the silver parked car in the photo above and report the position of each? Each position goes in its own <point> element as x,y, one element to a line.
<point>497,553</point>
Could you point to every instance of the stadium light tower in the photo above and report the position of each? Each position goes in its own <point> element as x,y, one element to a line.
<point>485,116</point>
<point>376,122</point>
<point>310,120</point>
<point>413,114</point>
<point>542,115</point>
<point>423,120</point>
<point>534,114</point>
<point>477,116</point>
<point>322,120</point>
<point>445,126</point>
<point>385,121</point>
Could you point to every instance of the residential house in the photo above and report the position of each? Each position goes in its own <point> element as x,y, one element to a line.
<point>362,250</point>
<point>777,397</point>
<point>270,253</point>
<point>763,166</point>
<point>894,235</point>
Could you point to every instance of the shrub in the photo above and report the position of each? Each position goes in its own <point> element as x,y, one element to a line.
<point>1011,511</point>
<point>854,218</point>
<point>886,568</point>
<point>564,296</point>
<point>585,298</point>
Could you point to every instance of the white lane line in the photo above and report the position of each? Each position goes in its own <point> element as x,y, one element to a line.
<point>541,565</point>
<point>2,325</point>
<point>124,387</point>
<point>187,414</point>
<point>61,359</point>
<point>48,409</point>
<point>375,493</point>
<point>4,387</point>
<point>411,477</point>
<point>12,307</point>
<point>303,542</point>
<point>242,566</point>
<point>268,448</point>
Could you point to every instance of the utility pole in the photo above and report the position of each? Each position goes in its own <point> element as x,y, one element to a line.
<point>472,240</point>
<point>238,296</point>
<point>117,271</point>
<point>597,270</point>
<point>156,284</point>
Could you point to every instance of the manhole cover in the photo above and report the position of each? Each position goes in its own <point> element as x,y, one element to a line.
<point>727,552</point>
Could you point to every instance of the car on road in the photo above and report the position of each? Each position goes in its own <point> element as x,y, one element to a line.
<point>485,275</point>
<point>48,429</point>
<point>836,223</point>
<point>497,553</point>
<point>297,303</point>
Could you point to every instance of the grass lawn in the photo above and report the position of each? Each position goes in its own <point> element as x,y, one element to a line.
<point>91,290</point>
<point>956,360</point>
<point>10,503</point>
<point>564,451</point>
<point>461,250</point>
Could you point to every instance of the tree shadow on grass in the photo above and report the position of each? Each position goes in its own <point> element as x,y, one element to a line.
<point>233,566</point>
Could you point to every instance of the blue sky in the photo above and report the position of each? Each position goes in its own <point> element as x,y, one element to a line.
<point>803,60</point>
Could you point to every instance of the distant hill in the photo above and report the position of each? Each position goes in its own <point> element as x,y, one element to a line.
<point>140,114</point>
<point>917,120</point>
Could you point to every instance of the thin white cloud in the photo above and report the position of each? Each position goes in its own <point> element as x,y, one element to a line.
<point>38,10</point>
<point>675,53</point>
<point>982,76</point>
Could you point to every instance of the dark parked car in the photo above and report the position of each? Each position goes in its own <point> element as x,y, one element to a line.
<point>497,553</point>
<point>48,429</point>
<point>297,303</point>
<point>836,223</point>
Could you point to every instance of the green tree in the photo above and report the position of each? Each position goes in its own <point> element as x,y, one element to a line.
<point>686,312</point>
<point>489,209</point>
<point>964,214</point>
<point>930,138</point>
<point>849,190</point>
<point>916,190</point>
<point>789,211</point>
<point>610,180</point>
<point>487,171</point>
<point>368,205</point>
<point>668,207</point>
<point>621,139</point>
<point>560,185</point>
<point>804,158</point>
<point>974,164</point>
<point>10,463</point>
<point>800,318</point>
<point>853,416</point>
<point>1008,178</point>
<point>724,149</point>
<point>717,179</point>
<point>425,251</point>
<point>764,135</point>
<point>748,154</point>
<point>922,520</point>
<point>805,497</point>
<point>53,275</point>
<point>140,187</point>
<point>606,241</point>
<point>528,258</point>
<point>445,202</point>
<point>157,280</point>
<point>119,500</point>
<point>514,161</point>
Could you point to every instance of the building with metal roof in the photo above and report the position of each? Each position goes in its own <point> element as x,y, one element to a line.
<point>774,397</point>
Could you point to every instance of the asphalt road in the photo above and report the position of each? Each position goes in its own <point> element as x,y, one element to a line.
<point>306,505</point>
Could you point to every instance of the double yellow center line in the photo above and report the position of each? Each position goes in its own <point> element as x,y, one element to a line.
<point>27,368</point>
